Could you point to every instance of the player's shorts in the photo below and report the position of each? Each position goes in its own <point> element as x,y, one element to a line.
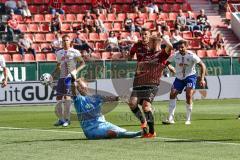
<point>62,89</point>
<point>146,93</point>
<point>189,82</point>
<point>104,130</point>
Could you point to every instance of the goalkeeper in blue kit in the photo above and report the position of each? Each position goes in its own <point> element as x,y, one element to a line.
<point>89,114</point>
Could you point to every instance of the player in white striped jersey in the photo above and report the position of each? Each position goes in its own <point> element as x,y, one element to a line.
<point>3,66</point>
<point>185,78</point>
<point>67,59</point>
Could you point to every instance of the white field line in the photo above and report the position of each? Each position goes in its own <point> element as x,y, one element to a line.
<point>163,138</point>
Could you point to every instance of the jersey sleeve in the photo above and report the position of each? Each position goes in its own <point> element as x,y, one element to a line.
<point>196,59</point>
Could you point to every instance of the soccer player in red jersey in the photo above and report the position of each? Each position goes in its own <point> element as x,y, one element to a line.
<point>152,53</point>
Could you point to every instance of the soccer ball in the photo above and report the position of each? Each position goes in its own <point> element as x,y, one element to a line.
<point>46,79</point>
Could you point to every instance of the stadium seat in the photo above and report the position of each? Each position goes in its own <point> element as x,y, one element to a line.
<point>30,36</point>
<point>163,16</point>
<point>117,7</point>
<point>43,9</point>
<point>70,1</point>
<point>124,34</point>
<point>152,16</point>
<point>194,44</point>
<point>111,17</point>
<point>187,35</point>
<point>201,53</point>
<point>159,1</point>
<point>170,1</point>
<point>66,8</point>
<point>18,17</point>
<point>126,8</point>
<point>48,17</point>
<point>39,37</point>
<point>186,7</point>
<point>106,55</point>
<point>38,18</point>
<point>33,9</point>
<point>66,27</point>
<point>100,46</point>
<point>80,1</point>
<point>40,57</point>
<point>176,8</point>
<point>108,25</point>
<point>2,48</point>
<point>173,16</point>
<point>166,8</point>
<point>132,15</point>
<point>51,57</point>
<point>121,16</point>
<point>44,27</point>
<point>33,27</point>
<point>17,57</point>
<point>149,25</point>
<point>28,57</point>
<point>117,26</point>
<point>80,17</point>
<point>116,55</point>
<point>103,36</point>
<point>180,1</point>
<point>222,52</point>
<point>70,17</point>
<point>50,37</point>
<point>46,47</point>
<point>72,35</point>
<point>212,53</point>
<point>96,55</point>
<point>93,36</point>
<point>84,36</point>
<point>23,27</point>
<point>144,16</point>
<point>36,46</point>
<point>84,8</point>
<point>11,47</point>
<point>101,16</point>
<point>7,57</point>
<point>38,1</point>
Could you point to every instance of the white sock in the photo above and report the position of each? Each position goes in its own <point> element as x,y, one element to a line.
<point>171,109</point>
<point>189,111</point>
<point>58,110</point>
<point>67,109</point>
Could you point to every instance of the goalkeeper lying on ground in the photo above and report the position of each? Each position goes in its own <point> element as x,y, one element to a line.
<point>89,114</point>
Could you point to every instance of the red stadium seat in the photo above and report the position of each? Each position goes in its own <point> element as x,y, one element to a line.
<point>102,17</point>
<point>93,36</point>
<point>144,16</point>
<point>173,16</point>
<point>152,16</point>
<point>121,16</point>
<point>72,35</point>
<point>38,1</point>
<point>222,52</point>
<point>186,7</point>
<point>43,9</point>
<point>106,55</point>
<point>124,35</point>
<point>28,58</point>
<point>23,27</point>
<point>108,26</point>
<point>38,18</point>
<point>48,17</point>
<point>117,7</point>
<point>111,17</point>
<point>51,57</point>
<point>12,47</point>
<point>84,36</point>
<point>80,17</point>
<point>117,26</point>
<point>194,44</point>
<point>201,53</point>
<point>39,37</point>
<point>163,16</point>
<point>18,17</point>
<point>33,27</point>
<point>84,8</point>
<point>70,17</point>
<point>103,36</point>
<point>46,47</point>
<point>7,57</point>
<point>66,27</point>
<point>116,55</point>
<point>187,35</point>
<point>126,8</point>
<point>30,36</point>
<point>132,15</point>
<point>33,9</point>
<point>36,46</point>
<point>50,37</point>
<point>166,8</point>
<point>17,57</point>
<point>170,1</point>
<point>100,46</point>
<point>212,53</point>
<point>176,8</point>
<point>159,1</point>
<point>149,25</point>
<point>96,55</point>
<point>180,1</point>
<point>2,48</point>
<point>44,27</point>
<point>70,1</point>
<point>80,1</point>
<point>40,57</point>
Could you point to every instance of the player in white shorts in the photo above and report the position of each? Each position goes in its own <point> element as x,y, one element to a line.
<point>185,78</point>
<point>3,66</point>
<point>67,59</point>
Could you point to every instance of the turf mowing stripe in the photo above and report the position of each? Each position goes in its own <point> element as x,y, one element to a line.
<point>163,138</point>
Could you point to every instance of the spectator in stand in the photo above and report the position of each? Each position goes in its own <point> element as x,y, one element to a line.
<point>56,6</point>
<point>81,44</point>
<point>218,43</point>
<point>57,42</point>
<point>206,40</point>
<point>23,6</point>
<point>176,38</point>
<point>139,22</point>
<point>181,21</point>
<point>56,23</point>
<point>129,24</point>
<point>11,5</point>
<point>202,21</point>
<point>191,22</point>
<point>126,43</point>
<point>12,27</point>
<point>25,45</point>
<point>98,7</point>
<point>100,28</point>
<point>88,22</point>
<point>151,7</point>
<point>112,43</point>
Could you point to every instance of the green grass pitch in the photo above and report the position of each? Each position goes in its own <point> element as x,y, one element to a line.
<point>28,133</point>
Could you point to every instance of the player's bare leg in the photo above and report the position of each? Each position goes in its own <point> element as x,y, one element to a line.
<point>133,104</point>
<point>59,111</point>
<point>189,104</point>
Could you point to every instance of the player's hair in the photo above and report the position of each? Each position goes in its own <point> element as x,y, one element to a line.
<point>65,36</point>
<point>182,42</point>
